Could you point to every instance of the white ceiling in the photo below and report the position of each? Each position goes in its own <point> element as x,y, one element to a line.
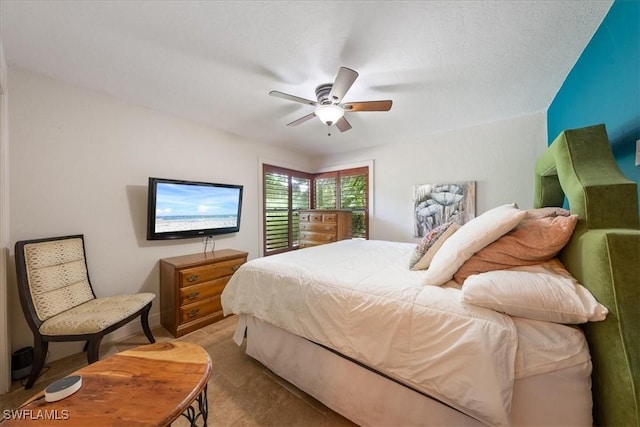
<point>445,64</point>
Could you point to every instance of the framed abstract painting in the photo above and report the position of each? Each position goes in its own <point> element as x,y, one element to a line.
<point>436,204</point>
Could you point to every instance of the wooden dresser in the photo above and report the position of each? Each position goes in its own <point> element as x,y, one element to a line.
<point>318,227</point>
<point>190,288</point>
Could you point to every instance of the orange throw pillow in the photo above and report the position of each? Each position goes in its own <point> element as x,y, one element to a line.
<point>534,240</point>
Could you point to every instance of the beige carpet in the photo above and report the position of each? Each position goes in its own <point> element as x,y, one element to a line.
<point>242,392</point>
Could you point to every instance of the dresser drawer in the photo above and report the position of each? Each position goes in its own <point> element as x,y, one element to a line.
<point>309,243</point>
<point>317,238</point>
<point>195,293</point>
<point>315,217</point>
<point>318,217</point>
<point>196,310</point>
<point>329,218</point>
<point>206,273</point>
<point>320,228</point>
<point>191,286</point>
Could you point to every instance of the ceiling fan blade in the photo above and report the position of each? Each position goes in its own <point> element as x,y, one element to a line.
<point>342,83</point>
<point>343,125</point>
<point>368,106</point>
<point>292,97</point>
<point>302,119</point>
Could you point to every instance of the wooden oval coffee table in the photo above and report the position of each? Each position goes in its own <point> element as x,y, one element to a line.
<point>151,385</point>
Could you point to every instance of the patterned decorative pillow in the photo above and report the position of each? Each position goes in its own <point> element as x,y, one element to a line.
<point>421,257</point>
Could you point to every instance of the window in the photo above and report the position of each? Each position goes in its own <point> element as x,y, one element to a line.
<point>345,189</point>
<point>287,191</point>
<point>325,191</point>
<point>354,195</point>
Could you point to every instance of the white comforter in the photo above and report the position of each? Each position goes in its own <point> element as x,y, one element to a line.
<point>365,303</point>
<point>359,298</point>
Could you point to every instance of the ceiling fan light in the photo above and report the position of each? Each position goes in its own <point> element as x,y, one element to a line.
<point>329,114</point>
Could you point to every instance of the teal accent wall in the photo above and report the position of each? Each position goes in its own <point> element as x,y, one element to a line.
<point>604,86</point>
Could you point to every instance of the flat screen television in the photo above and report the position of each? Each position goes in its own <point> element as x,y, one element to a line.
<point>179,209</point>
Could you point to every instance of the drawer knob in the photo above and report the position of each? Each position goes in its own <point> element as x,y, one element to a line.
<point>235,267</point>
<point>192,278</point>
<point>193,295</point>
<point>193,312</point>
<point>328,228</point>
<point>329,237</point>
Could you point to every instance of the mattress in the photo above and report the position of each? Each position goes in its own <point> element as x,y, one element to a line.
<point>359,298</point>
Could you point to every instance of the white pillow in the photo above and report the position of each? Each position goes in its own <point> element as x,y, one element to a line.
<point>545,291</point>
<point>469,239</point>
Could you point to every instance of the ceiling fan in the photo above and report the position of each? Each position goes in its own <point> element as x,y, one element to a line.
<point>329,107</point>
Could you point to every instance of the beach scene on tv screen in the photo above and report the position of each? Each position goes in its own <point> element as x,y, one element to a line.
<point>181,207</point>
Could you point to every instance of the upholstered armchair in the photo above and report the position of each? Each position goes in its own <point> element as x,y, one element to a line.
<point>59,303</point>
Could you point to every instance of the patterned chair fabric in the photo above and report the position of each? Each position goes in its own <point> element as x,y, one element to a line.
<point>59,303</point>
<point>57,276</point>
<point>95,315</point>
<point>62,295</point>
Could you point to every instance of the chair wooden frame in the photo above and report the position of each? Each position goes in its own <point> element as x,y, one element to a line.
<point>41,342</point>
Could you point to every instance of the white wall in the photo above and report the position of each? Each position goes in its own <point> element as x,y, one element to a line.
<point>499,156</point>
<point>80,163</point>
<point>5,354</point>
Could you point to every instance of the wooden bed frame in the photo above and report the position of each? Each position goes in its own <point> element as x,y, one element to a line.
<point>604,255</point>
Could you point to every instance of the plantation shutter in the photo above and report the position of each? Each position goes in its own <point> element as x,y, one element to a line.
<point>301,199</point>
<point>354,196</point>
<point>345,189</point>
<point>285,192</point>
<point>325,191</point>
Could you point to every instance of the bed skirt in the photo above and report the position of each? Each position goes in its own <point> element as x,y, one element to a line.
<point>559,398</point>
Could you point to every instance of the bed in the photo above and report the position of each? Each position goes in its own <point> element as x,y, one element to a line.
<point>352,325</point>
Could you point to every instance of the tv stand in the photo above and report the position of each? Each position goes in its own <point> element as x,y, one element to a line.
<point>190,288</point>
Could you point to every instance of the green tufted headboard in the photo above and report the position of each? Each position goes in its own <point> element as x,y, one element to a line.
<point>604,255</point>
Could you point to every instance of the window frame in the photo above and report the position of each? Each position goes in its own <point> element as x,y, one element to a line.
<point>345,170</point>
<point>338,174</point>
<point>291,173</point>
